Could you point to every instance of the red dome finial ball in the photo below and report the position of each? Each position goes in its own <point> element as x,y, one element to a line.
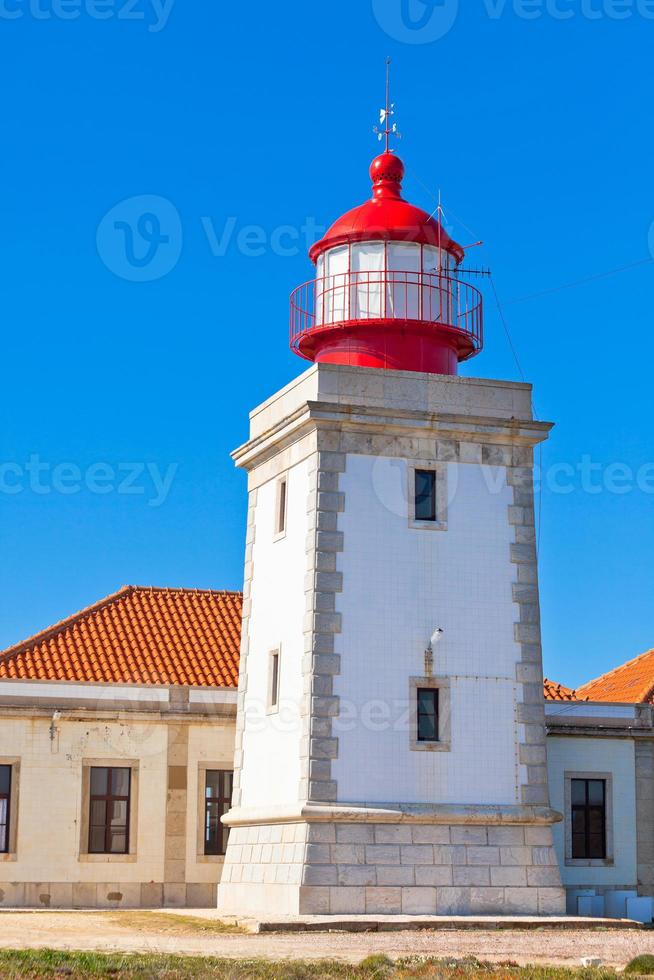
<point>387,169</point>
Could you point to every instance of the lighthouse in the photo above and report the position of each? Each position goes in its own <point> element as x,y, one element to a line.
<point>390,748</point>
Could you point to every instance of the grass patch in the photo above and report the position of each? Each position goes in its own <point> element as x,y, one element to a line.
<point>47,963</point>
<point>642,966</point>
<point>170,924</point>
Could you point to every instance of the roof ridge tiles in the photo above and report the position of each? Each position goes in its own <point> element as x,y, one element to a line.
<point>136,635</point>
<point>644,686</point>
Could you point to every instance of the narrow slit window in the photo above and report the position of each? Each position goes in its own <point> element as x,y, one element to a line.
<point>109,810</point>
<point>274,679</point>
<point>588,798</point>
<point>427,714</point>
<point>425,495</point>
<point>5,807</point>
<point>280,517</point>
<point>217,801</point>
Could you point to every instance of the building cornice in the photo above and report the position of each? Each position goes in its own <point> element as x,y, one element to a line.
<point>394,813</point>
<point>370,421</point>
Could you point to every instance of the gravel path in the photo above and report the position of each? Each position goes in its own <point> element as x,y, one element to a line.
<point>109,932</point>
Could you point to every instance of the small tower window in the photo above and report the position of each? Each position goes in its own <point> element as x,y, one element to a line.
<point>273,681</point>
<point>425,495</point>
<point>427,714</point>
<point>280,507</point>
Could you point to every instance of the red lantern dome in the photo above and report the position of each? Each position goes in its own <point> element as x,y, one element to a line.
<point>387,292</point>
<point>387,216</point>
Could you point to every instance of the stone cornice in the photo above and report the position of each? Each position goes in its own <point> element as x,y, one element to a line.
<point>311,415</point>
<point>394,813</point>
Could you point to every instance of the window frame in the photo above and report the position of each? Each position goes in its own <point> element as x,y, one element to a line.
<point>434,692</point>
<point>608,859</point>
<point>440,494</point>
<point>224,766</point>
<point>6,849</point>
<point>222,800</point>
<point>280,519</point>
<point>587,809</point>
<point>14,763</point>
<point>444,718</point>
<point>90,857</point>
<point>274,680</point>
<point>431,499</point>
<point>108,799</point>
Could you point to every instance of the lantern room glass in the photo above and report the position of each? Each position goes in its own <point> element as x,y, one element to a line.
<point>384,280</point>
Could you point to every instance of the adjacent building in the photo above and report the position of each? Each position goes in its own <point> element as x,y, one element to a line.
<point>116,752</point>
<point>600,751</point>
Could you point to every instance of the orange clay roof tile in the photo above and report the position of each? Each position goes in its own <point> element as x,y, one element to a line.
<point>558,692</point>
<point>138,636</point>
<point>631,683</point>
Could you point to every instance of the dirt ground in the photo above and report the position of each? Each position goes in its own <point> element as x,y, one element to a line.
<point>200,934</point>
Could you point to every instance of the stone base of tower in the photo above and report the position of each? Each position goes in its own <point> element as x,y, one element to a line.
<point>351,861</point>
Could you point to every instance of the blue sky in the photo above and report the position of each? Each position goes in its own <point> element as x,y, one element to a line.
<point>536,120</point>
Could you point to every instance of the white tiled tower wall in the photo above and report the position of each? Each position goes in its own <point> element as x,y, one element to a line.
<point>403,581</point>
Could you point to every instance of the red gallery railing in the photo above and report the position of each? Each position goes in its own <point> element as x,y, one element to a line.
<point>392,298</point>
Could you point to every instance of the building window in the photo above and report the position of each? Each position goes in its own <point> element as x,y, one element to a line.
<point>588,815</point>
<point>281,507</point>
<point>217,801</point>
<point>425,495</point>
<point>430,714</point>
<point>109,810</point>
<point>427,714</point>
<point>426,490</point>
<point>5,807</point>
<point>273,681</point>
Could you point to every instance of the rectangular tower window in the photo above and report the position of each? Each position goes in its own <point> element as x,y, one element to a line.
<point>5,807</point>
<point>217,801</point>
<point>273,695</point>
<point>427,714</point>
<point>109,810</point>
<point>588,800</point>
<point>425,495</point>
<point>280,507</point>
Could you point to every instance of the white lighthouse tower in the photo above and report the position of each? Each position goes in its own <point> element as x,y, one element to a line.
<point>390,751</point>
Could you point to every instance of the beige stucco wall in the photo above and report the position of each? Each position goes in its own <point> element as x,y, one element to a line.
<point>49,865</point>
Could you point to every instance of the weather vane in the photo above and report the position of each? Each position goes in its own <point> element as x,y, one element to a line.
<point>385,115</point>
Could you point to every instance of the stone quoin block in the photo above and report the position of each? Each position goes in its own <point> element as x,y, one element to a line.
<point>432,875</point>
<point>357,875</point>
<point>479,875</point>
<point>397,875</point>
<point>383,854</point>
<point>383,901</point>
